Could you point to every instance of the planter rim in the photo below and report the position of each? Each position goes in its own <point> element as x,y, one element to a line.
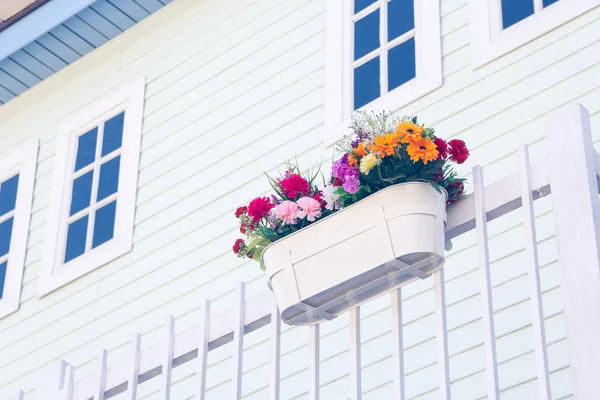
<point>444,192</point>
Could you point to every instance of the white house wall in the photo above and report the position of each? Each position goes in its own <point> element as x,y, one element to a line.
<point>233,89</point>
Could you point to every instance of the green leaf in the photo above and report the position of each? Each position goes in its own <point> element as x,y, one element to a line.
<point>261,241</point>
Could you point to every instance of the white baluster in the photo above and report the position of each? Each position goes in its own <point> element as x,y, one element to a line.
<point>238,340</point>
<point>203,349</point>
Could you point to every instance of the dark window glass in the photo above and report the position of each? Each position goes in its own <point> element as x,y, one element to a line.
<point>82,192</point>
<point>514,11</point>
<point>104,225</point>
<point>76,235</point>
<point>2,277</point>
<point>401,17</point>
<point>109,178</point>
<point>8,194</point>
<point>362,4</point>
<point>366,83</point>
<point>366,34</point>
<point>5,232</point>
<point>113,134</point>
<point>401,64</point>
<point>549,2</point>
<point>86,149</point>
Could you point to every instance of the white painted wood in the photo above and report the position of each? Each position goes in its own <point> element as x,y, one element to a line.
<point>68,383</point>
<point>398,345</point>
<point>339,91</point>
<point>24,162</point>
<point>443,355</point>
<point>101,375</point>
<point>383,41</point>
<point>576,205</point>
<point>489,338</point>
<point>275,372</point>
<point>539,340</point>
<point>314,362</point>
<point>167,364</point>
<point>489,41</point>
<point>204,336</point>
<point>134,366</point>
<point>54,273</point>
<point>238,341</point>
<point>20,395</point>
<point>355,350</point>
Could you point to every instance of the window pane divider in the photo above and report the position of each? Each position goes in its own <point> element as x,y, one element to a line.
<point>7,216</point>
<point>94,207</point>
<point>92,166</point>
<point>4,258</point>
<point>383,41</point>
<point>538,6</point>
<point>368,57</point>
<point>366,11</point>
<point>95,184</point>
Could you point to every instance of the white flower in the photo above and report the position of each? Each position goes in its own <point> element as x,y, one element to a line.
<point>331,198</point>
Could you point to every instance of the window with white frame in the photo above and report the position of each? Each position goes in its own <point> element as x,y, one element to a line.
<point>17,177</point>
<point>500,26</point>
<point>381,55</point>
<point>92,207</point>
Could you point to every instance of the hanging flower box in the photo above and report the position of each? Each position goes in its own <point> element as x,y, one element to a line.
<point>377,225</point>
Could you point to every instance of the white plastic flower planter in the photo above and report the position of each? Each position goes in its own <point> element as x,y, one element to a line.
<point>385,241</point>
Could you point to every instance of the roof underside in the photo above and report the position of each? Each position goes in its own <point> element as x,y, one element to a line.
<point>66,42</point>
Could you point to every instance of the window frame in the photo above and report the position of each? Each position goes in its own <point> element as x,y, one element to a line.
<point>489,41</point>
<point>54,273</point>
<point>24,162</point>
<point>339,59</point>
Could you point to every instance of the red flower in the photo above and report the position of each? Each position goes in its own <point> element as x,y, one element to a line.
<point>458,151</point>
<point>259,208</point>
<point>237,246</point>
<point>294,185</point>
<point>337,182</point>
<point>243,229</point>
<point>442,148</point>
<point>319,197</point>
<point>240,211</point>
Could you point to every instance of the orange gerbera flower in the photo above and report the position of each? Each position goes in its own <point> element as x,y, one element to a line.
<point>422,149</point>
<point>357,153</point>
<point>408,131</point>
<point>385,145</point>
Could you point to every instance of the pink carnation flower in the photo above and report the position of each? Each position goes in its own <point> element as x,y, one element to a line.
<point>287,211</point>
<point>309,208</point>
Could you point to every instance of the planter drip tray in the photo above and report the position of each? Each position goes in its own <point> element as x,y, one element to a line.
<point>379,244</point>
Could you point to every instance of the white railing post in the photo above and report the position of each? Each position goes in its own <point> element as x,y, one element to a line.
<point>576,206</point>
<point>51,380</point>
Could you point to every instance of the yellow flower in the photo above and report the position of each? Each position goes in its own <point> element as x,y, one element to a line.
<point>408,131</point>
<point>367,163</point>
<point>385,145</point>
<point>422,149</point>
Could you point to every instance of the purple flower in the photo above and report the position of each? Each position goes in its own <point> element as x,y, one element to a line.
<point>351,181</point>
<point>339,167</point>
<point>275,199</point>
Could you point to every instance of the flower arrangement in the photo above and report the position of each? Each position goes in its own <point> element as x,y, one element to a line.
<point>382,151</point>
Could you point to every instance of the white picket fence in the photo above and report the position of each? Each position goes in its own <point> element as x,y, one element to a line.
<point>570,171</point>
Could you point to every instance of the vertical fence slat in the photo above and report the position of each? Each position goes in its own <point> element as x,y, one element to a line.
<point>203,350</point>
<point>20,395</point>
<point>576,206</point>
<point>100,385</point>
<point>356,390</point>
<point>167,364</point>
<point>67,387</point>
<point>132,382</point>
<point>543,375</point>
<point>398,349</point>
<point>439,288</point>
<point>313,362</point>
<point>238,340</point>
<point>275,352</point>
<point>489,339</point>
